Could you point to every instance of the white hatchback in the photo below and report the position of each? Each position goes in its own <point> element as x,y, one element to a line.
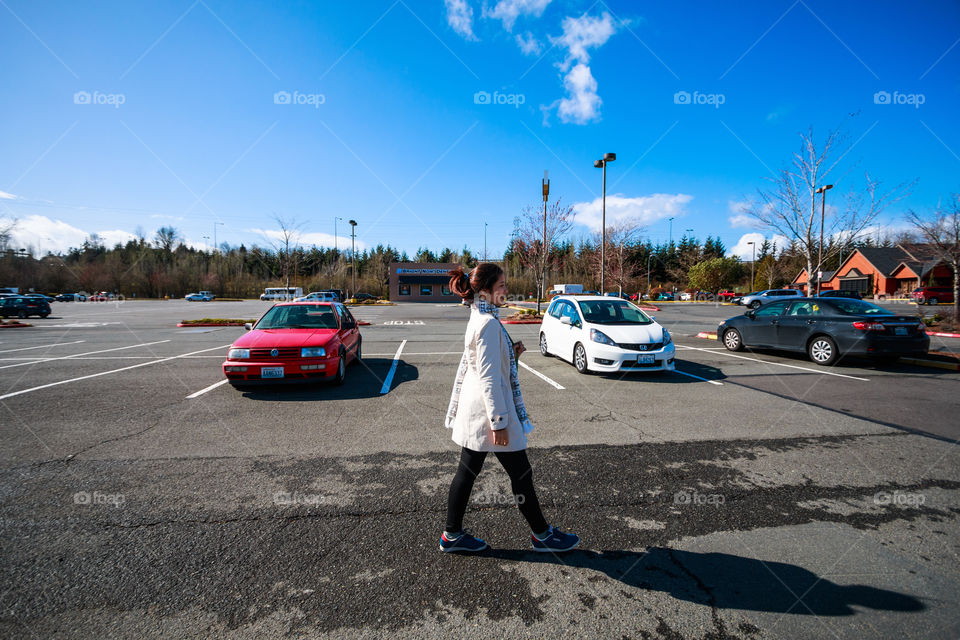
<point>605,334</point>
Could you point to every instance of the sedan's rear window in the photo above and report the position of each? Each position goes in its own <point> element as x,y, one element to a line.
<point>852,307</point>
<point>612,312</point>
<point>301,316</point>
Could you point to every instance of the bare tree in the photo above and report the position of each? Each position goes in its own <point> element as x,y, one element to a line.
<point>621,238</point>
<point>286,245</point>
<point>942,232</point>
<point>792,206</point>
<point>528,239</point>
<point>167,238</point>
<point>6,232</point>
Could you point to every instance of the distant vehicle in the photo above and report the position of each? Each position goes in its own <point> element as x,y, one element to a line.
<point>591,293</point>
<point>281,293</point>
<point>932,295</point>
<point>756,300</point>
<point>726,295</point>
<point>10,290</point>
<point>71,297</point>
<point>567,288</point>
<point>841,293</point>
<point>318,296</point>
<point>101,296</point>
<point>612,294</point>
<point>24,306</point>
<point>686,296</point>
<point>664,295</point>
<point>49,299</point>
<point>197,297</point>
<point>603,333</point>
<point>295,342</point>
<point>209,294</point>
<point>361,296</point>
<point>826,329</point>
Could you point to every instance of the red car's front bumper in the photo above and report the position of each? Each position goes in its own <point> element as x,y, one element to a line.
<point>298,370</point>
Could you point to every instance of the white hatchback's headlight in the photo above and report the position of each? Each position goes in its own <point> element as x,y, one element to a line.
<point>238,354</point>
<point>666,338</point>
<point>313,352</point>
<point>601,337</point>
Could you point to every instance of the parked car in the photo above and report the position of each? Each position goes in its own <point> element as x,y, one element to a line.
<point>841,293</point>
<point>932,295</point>
<point>685,296</point>
<point>295,342</point>
<point>197,297</point>
<point>24,306</point>
<point>318,296</point>
<point>44,296</point>
<point>726,295</point>
<point>826,329</point>
<point>71,297</point>
<point>756,300</point>
<point>665,295</point>
<point>600,333</point>
<point>101,296</point>
<point>361,296</point>
<point>208,294</point>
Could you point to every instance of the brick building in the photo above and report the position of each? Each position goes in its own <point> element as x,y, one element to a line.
<point>421,282</point>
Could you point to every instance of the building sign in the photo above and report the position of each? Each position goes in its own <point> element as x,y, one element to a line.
<point>423,271</point>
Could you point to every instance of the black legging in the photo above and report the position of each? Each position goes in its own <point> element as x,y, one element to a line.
<point>521,481</point>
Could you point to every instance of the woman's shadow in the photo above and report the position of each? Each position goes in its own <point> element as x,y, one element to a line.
<point>726,581</point>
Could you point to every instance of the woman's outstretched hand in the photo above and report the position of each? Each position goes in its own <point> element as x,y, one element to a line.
<point>518,348</point>
<point>500,438</point>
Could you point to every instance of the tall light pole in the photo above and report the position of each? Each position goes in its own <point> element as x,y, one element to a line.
<point>215,235</point>
<point>823,206</point>
<point>206,240</point>
<point>335,218</point>
<point>602,164</point>
<point>353,255</point>
<point>671,231</point>
<point>543,248</point>
<point>753,259</point>
<point>484,241</point>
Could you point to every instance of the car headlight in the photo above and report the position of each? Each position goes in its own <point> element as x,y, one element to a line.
<point>666,338</point>
<point>313,352</point>
<point>601,337</point>
<point>238,354</point>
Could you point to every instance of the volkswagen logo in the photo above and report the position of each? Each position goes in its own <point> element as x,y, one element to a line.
<point>274,352</point>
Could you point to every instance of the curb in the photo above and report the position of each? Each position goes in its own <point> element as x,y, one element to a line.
<point>211,324</point>
<point>520,321</point>
<point>709,335</point>
<point>650,308</point>
<point>940,334</point>
<point>15,325</point>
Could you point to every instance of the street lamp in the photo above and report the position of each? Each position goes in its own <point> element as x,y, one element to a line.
<point>215,235</point>
<point>335,218</point>
<point>484,241</point>
<point>602,164</point>
<point>206,240</point>
<point>823,206</point>
<point>543,248</point>
<point>353,255</point>
<point>671,231</point>
<point>753,259</point>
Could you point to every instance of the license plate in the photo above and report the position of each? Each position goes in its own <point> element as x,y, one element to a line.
<point>645,359</point>
<point>899,331</point>
<point>271,372</point>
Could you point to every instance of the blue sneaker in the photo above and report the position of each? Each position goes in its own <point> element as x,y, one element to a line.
<point>466,542</point>
<point>556,542</point>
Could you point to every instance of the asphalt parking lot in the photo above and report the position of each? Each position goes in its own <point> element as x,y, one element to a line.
<point>749,495</point>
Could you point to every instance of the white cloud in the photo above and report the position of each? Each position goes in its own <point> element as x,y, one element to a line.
<point>529,44</point>
<point>275,236</point>
<point>7,196</point>
<point>582,103</point>
<point>509,10</point>
<point>744,251</point>
<point>44,235</point>
<point>644,210</point>
<point>460,18</point>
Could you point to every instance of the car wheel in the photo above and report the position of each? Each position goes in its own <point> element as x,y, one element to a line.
<point>732,340</point>
<point>822,350</point>
<point>543,346</point>
<point>341,371</point>
<point>44,315</point>
<point>933,301</point>
<point>580,359</point>
<point>22,315</point>
<point>755,304</point>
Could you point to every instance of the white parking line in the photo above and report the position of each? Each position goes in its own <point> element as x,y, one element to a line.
<point>779,364</point>
<point>539,375</point>
<point>419,353</point>
<point>393,368</point>
<point>77,355</point>
<point>103,373</point>
<point>42,346</point>
<point>205,389</point>
<point>684,373</point>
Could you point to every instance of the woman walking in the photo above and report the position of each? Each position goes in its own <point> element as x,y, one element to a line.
<point>486,414</point>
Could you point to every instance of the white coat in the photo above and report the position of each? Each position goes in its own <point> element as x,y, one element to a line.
<point>486,399</point>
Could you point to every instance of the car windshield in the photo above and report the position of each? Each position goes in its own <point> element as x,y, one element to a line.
<point>612,312</point>
<point>301,316</point>
<point>853,307</point>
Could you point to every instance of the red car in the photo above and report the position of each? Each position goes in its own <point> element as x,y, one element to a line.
<point>295,342</point>
<point>726,295</point>
<point>932,295</point>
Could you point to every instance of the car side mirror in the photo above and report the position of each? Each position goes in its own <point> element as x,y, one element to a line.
<point>248,325</point>
<point>565,320</point>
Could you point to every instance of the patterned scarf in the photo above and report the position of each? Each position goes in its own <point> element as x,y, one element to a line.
<point>482,306</point>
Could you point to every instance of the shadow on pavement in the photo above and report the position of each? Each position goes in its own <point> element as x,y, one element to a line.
<point>364,379</point>
<point>670,377</point>
<point>726,581</point>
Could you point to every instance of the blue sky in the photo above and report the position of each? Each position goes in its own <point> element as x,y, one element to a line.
<point>123,116</point>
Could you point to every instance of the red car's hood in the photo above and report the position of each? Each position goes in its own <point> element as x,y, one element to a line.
<point>284,338</point>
